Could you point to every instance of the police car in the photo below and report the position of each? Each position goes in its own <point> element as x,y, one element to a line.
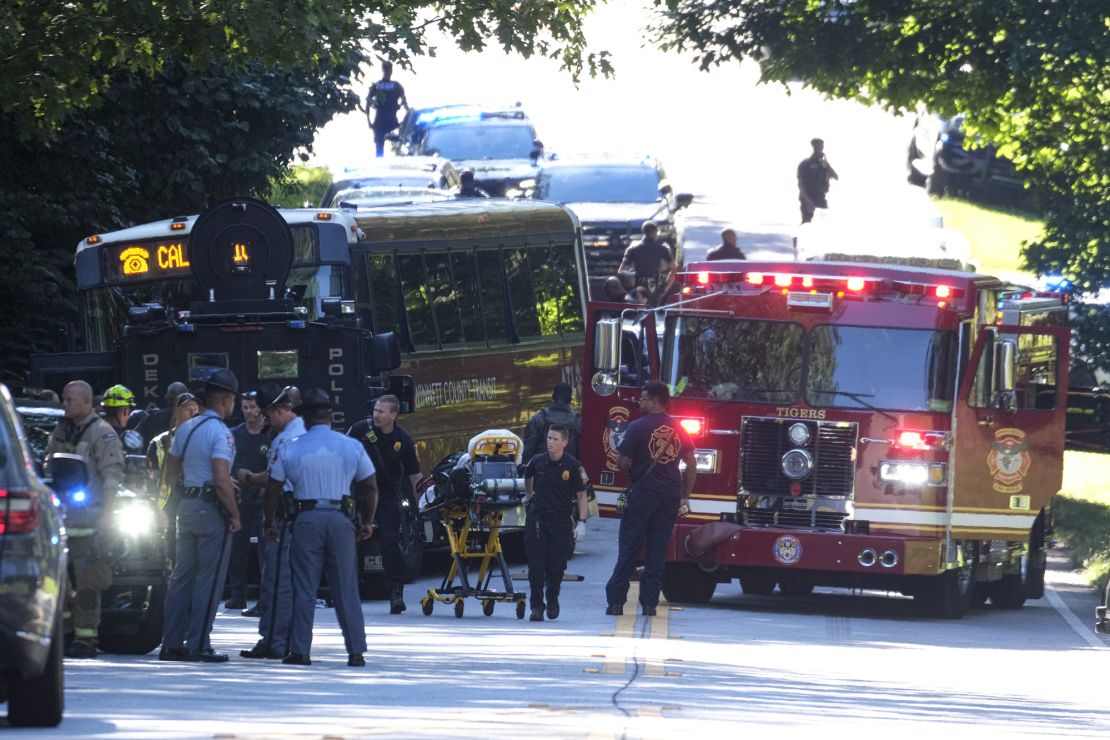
<point>498,144</point>
<point>392,179</point>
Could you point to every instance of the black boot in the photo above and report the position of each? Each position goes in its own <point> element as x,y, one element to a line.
<point>397,599</point>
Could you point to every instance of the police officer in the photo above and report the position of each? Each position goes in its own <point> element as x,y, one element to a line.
<point>393,453</point>
<point>160,421</point>
<point>321,465</point>
<point>556,486</point>
<point>468,187</point>
<point>650,263</point>
<point>275,591</point>
<point>649,452</point>
<point>252,446</point>
<point>202,451</point>
<point>84,433</point>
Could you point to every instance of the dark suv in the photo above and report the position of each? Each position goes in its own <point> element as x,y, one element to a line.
<point>937,159</point>
<point>499,144</point>
<point>32,582</point>
<point>612,198</point>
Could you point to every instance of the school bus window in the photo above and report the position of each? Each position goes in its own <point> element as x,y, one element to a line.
<point>444,293</point>
<point>491,275</point>
<point>561,272</point>
<point>305,243</point>
<point>523,293</point>
<point>385,293</point>
<point>418,309</point>
<point>465,270</point>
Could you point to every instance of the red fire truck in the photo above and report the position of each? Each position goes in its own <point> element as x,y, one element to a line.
<point>862,425</point>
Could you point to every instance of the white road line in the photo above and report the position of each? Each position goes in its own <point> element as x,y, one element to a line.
<point>1085,631</point>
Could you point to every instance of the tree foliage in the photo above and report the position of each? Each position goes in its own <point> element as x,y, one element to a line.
<point>1032,76</point>
<point>60,57</point>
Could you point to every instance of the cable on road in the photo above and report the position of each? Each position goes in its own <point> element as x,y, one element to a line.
<point>615,698</point>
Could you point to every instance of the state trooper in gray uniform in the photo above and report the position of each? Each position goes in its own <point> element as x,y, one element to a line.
<point>275,590</point>
<point>320,465</point>
<point>202,451</point>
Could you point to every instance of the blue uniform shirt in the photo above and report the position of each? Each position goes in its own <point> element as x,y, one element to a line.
<point>293,429</point>
<point>656,439</point>
<point>211,440</point>
<point>321,464</point>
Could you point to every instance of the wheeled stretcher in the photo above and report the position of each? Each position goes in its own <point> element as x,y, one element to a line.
<point>470,499</point>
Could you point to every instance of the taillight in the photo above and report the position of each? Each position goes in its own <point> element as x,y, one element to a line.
<point>694,426</point>
<point>19,511</point>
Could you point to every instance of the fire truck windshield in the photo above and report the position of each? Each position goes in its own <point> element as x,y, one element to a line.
<point>872,367</point>
<point>734,359</point>
<point>853,367</point>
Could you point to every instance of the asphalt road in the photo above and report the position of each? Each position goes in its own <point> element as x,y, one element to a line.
<point>828,663</point>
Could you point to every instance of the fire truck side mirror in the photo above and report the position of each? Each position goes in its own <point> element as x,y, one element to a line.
<point>385,351</point>
<point>607,356</point>
<point>1005,366</point>
<point>607,345</point>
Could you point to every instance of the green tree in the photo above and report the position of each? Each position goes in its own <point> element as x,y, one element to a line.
<point>59,57</point>
<point>1032,76</point>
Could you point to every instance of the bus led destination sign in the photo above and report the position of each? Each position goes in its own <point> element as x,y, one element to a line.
<point>146,260</point>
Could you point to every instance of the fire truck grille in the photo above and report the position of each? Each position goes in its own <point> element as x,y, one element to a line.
<point>831,445</point>
<point>794,519</point>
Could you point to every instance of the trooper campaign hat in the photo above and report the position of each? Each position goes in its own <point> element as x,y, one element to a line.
<point>272,394</point>
<point>315,399</point>
<point>223,380</point>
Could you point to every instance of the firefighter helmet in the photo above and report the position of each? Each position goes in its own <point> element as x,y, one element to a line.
<point>119,397</point>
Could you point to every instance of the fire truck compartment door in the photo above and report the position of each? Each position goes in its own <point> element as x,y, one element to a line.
<point>1006,460</point>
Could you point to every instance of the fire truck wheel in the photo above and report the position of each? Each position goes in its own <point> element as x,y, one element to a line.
<point>686,583</point>
<point>948,596</point>
<point>758,584</point>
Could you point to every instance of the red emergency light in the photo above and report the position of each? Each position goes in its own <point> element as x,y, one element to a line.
<point>694,426</point>
<point>913,439</point>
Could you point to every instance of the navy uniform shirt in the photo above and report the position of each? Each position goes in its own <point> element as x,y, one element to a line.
<point>251,452</point>
<point>556,483</point>
<point>211,440</point>
<point>321,464</point>
<point>393,454</point>
<point>656,438</point>
<point>386,96</point>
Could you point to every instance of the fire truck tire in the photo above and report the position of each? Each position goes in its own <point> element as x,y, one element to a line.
<point>758,584</point>
<point>948,595</point>
<point>1034,565</point>
<point>686,583</point>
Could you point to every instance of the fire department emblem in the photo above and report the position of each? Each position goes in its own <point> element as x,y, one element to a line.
<point>614,432</point>
<point>664,445</point>
<point>1009,460</point>
<point>787,549</point>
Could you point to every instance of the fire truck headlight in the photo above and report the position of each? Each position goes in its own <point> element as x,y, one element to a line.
<point>913,473</point>
<point>707,460</point>
<point>797,464</point>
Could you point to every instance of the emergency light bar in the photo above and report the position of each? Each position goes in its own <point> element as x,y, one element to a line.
<point>818,285</point>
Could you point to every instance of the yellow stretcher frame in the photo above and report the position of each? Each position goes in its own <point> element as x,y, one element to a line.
<point>460,521</point>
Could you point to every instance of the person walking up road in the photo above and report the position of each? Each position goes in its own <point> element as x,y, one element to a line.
<point>814,173</point>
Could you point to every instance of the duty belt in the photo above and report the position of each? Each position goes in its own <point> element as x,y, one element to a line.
<point>207,492</point>
<point>344,505</point>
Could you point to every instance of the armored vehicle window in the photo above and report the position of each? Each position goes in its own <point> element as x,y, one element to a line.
<point>278,365</point>
<point>418,307</point>
<point>203,364</point>
<point>522,292</point>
